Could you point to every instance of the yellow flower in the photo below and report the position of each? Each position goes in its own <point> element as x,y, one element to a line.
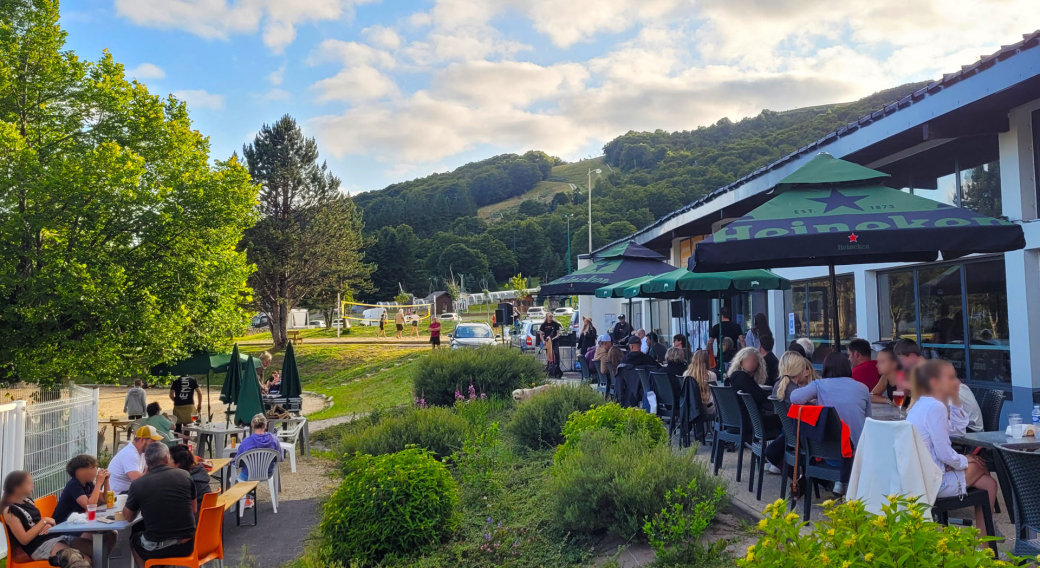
<point>828,503</point>
<point>750,556</point>
<point>824,559</point>
<point>830,532</point>
<point>763,524</point>
<point>868,556</point>
<point>791,517</point>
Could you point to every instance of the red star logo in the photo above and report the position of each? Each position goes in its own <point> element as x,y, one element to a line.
<point>853,238</point>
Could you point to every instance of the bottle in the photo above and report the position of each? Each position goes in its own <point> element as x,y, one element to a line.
<point>1036,417</point>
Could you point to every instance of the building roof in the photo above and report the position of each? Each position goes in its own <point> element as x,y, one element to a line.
<point>985,63</point>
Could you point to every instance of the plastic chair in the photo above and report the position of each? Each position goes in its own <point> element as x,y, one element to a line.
<point>627,389</point>
<point>829,448</point>
<point>757,443</point>
<point>973,498</point>
<point>594,374</point>
<point>692,407</point>
<point>209,500</point>
<point>209,542</point>
<point>729,426</point>
<point>258,468</point>
<point>289,437</point>
<point>47,504</point>
<point>16,557</point>
<point>1022,464</point>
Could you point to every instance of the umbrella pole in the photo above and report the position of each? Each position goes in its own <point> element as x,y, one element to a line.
<point>834,310</point>
<point>718,339</point>
<point>209,405</point>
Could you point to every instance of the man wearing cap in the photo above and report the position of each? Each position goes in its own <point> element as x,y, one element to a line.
<point>128,464</point>
<point>635,356</point>
<point>622,329</point>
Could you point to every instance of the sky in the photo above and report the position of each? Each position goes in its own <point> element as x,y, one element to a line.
<point>398,89</point>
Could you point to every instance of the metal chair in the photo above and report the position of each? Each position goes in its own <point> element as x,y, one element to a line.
<point>729,426</point>
<point>781,408</point>
<point>261,465</point>
<point>829,448</point>
<point>756,443</point>
<point>1022,464</point>
<point>667,401</point>
<point>991,404</point>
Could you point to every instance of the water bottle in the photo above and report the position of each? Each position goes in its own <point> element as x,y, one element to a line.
<point>1036,417</point>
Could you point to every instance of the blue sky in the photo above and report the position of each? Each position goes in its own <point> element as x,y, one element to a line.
<point>398,89</point>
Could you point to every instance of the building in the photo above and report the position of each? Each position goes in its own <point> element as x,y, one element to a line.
<point>441,302</point>
<point>970,139</point>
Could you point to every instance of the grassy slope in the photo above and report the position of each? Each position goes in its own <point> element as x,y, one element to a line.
<point>576,173</point>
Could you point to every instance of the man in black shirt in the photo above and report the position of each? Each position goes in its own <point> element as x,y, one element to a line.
<point>550,330</point>
<point>729,329</point>
<point>765,346</point>
<point>622,329</point>
<point>165,496</point>
<point>635,357</point>
<point>182,392</point>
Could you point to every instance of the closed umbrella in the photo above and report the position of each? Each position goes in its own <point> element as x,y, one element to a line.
<point>232,381</point>
<point>250,401</point>
<point>832,212</point>
<point>291,387</point>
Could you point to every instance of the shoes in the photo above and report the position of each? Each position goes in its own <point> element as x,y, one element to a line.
<point>839,488</point>
<point>770,468</point>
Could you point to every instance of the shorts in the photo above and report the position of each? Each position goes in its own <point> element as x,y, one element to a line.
<point>176,551</point>
<point>382,325</point>
<point>400,327</point>
<point>133,417</point>
<point>46,549</point>
<point>953,484</point>
<point>183,413</point>
<point>435,340</point>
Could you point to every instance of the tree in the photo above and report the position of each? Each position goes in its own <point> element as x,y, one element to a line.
<point>309,234</point>
<point>462,260</point>
<point>117,230</point>
<point>982,190</point>
<point>395,252</point>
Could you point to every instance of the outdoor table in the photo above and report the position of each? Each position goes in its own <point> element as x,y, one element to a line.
<point>207,433</point>
<point>116,424</point>
<point>220,467</point>
<point>885,412</point>
<point>97,530</point>
<point>988,441</point>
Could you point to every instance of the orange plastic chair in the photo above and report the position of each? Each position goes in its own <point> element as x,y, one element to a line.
<point>209,542</point>
<point>47,505</point>
<point>16,557</point>
<point>209,500</point>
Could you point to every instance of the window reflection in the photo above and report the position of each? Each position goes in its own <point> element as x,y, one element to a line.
<point>810,303</point>
<point>980,189</point>
<point>898,312</point>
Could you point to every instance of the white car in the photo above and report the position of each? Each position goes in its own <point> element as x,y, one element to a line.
<point>536,312</point>
<point>469,335</point>
<point>339,322</point>
<point>563,312</point>
<point>316,323</point>
<point>448,316</point>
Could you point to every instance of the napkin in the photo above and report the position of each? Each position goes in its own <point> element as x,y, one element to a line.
<point>77,518</point>
<point>1027,430</point>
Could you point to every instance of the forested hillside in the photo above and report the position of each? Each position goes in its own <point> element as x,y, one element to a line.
<point>425,229</point>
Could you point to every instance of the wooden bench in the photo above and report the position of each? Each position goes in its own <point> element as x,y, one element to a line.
<point>294,336</point>
<point>235,495</point>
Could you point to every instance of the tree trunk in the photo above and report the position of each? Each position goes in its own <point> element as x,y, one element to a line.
<point>279,321</point>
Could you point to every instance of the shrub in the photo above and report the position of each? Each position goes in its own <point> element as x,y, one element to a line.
<point>605,482</point>
<point>539,422</point>
<point>398,503</point>
<point>903,535</point>
<point>674,533</point>
<point>615,419</point>
<point>435,429</point>
<point>493,371</point>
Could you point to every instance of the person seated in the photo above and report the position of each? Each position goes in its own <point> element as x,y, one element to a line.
<point>259,439</point>
<point>128,464</point>
<point>679,340</point>
<point>604,348</point>
<point>839,390</point>
<point>699,372</point>
<point>166,497</point>
<point>729,350</point>
<point>765,347</point>
<point>184,459</point>
<point>656,350</point>
<point>888,374</point>
<point>27,527</point>
<point>937,388</point>
<point>864,369</point>
<point>87,485</point>
<point>747,374</point>
<point>162,424</point>
<point>635,357</point>
<point>675,362</point>
<point>795,372</point>
<point>274,386</point>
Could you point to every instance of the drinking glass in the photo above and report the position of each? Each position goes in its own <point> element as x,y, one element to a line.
<point>91,512</point>
<point>898,398</point>
<point>1015,425</point>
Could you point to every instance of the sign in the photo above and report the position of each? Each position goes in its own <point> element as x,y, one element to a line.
<point>790,324</point>
<point>610,320</point>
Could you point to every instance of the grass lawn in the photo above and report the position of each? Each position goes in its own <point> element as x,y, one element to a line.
<point>357,331</point>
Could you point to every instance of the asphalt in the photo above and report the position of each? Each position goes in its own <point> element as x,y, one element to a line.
<point>276,540</point>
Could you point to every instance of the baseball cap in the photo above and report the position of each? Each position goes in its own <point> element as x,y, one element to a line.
<point>605,337</point>
<point>621,317</point>
<point>633,339</point>
<point>148,432</point>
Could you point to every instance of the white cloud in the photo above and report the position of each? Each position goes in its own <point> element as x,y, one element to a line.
<point>220,19</point>
<point>350,53</point>
<point>382,36</point>
<point>277,76</point>
<point>198,98</point>
<point>356,85</point>
<point>509,82</point>
<point>146,71</point>
<point>567,23</point>
<point>276,95</point>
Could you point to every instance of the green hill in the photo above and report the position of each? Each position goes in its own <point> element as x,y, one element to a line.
<point>565,178</point>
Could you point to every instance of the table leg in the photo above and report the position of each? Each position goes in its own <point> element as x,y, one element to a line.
<point>307,438</point>
<point>115,439</point>
<point>99,548</point>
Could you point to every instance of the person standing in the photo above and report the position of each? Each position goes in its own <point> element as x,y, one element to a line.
<point>382,325</point>
<point>183,391</point>
<point>588,335</point>
<point>765,347</point>
<point>415,323</point>
<point>166,498</point>
<point>399,322</point>
<point>136,401</point>
<point>549,333</point>
<point>435,332</point>
<point>622,329</point>
<point>759,330</point>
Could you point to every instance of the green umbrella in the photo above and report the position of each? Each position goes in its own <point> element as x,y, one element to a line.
<point>249,402</point>
<point>618,290</point>
<point>232,381</point>
<point>611,267</point>
<point>291,387</point>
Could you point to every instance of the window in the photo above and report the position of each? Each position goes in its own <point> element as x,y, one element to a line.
<point>941,305</point>
<point>967,177</point>
<point>686,247</point>
<point>980,189</point>
<point>1036,153</point>
<point>808,307</point>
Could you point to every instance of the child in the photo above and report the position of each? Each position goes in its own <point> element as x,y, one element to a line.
<point>87,486</point>
<point>28,528</point>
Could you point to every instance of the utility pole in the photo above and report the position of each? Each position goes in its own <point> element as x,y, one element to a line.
<point>568,218</point>
<point>591,171</point>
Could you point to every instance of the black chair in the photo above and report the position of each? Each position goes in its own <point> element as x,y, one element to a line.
<point>790,438</point>
<point>1022,464</point>
<point>667,399</point>
<point>757,442</point>
<point>729,426</point>
<point>644,383</point>
<point>696,417</point>
<point>594,374</point>
<point>974,498</point>
<point>992,403</point>
<point>628,387</point>
<point>829,448</point>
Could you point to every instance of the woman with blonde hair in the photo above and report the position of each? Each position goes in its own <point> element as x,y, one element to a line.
<point>700,372</point>
<point>747,373</point>
<point>795,372</point>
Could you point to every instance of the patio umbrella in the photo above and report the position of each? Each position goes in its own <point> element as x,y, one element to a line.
<point>199,363</point>
<point>611,266</point>
<point>618,290</point>
<point>232,381</point>
<point>291,387</point>
<point>681,283</point>
<point>832,212</point>
<point>250,401</point>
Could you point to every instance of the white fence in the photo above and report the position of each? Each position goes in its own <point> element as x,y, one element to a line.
<point>43,431</point>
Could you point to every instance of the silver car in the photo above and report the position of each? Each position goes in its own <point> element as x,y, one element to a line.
<point>472,335</point>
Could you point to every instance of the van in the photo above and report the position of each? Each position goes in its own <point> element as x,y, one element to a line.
<point>371,316</point>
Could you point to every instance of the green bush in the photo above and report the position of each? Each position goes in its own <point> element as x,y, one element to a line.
<point>435,429</point>
<point>538,423</point>
<point>610,483</point>
<point>903,535</point>
<point>394,504</point>
<point>674,533</point>
<point>493,372</point>
<point>613,418</point>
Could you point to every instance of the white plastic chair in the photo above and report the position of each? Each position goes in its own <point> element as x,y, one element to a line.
<point>258,468</point>
<point>289,437</point>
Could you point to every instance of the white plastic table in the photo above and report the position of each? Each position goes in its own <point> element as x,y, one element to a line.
<point>207,433</point>
<point>97,530</point>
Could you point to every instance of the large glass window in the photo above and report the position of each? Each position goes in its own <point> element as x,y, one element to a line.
<point>939,306</point>
<point>808,307</point>
<point>980,189</point>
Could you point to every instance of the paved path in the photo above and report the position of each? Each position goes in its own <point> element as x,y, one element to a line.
<point>276,540</point>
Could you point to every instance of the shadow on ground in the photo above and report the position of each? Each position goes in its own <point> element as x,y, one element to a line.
<point>276,540</point>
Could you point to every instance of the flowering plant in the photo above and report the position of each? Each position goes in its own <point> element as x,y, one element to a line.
<point>850,537</point>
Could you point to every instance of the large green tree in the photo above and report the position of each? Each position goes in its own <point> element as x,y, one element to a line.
<point>117,233</point>
<point>308,239</point>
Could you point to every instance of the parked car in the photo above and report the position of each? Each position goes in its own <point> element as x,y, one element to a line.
<point>472,335</point>
<point>449,316</point>
<point>340,322</point>
<point>536,312</point>
<point>527,338</point>
<point>575,321</point>
<point>316,323</point>
<point>260,320</point>
<point>563,312</point>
